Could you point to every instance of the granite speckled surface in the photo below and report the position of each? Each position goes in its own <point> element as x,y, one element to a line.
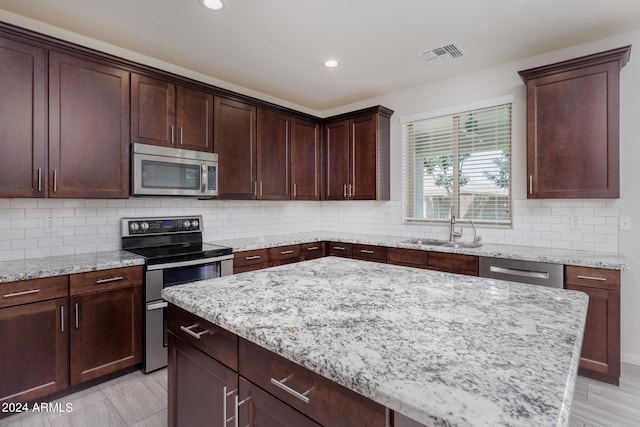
<point>607,260</point>
<point>36,268</point>
<point>440,348</point>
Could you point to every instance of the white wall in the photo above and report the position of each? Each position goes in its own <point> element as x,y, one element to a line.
<point>93,225</point>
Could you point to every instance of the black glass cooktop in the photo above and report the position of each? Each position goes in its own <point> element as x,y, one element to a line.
<point>180,252</point>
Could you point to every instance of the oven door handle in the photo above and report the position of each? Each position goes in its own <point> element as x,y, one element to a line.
<point>157,306</point>
<point>202,261</point>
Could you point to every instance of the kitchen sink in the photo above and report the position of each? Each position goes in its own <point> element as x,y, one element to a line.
<point>444,243</point>
<point>428,242</point>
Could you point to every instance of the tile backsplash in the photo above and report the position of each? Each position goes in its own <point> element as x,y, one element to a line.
<point>31,228</point>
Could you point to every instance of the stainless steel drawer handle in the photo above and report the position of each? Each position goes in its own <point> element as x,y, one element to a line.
<point>249,258</point>
<point>110,279</point>
<point>313,248</point>
<point>599,279</point>
<point>237,409</point>
<point>18,294</point>
<point>365,251</point>
<point>196,335</point>
<point>157,306</point>
<point>339,248</point>
<point>62,318</point>
<point>225,395</point>
<point>281,384</point>
<point>286,252</point>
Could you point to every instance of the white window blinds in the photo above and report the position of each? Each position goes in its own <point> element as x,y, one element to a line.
<point>460,160</point>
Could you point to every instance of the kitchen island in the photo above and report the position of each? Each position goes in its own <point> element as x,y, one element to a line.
<point>439,348</point>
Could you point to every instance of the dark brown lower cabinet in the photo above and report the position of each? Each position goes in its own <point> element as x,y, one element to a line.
<point>407,257</point>
<point>312,250</point>
<point>600,357</point>
<point>202,391</point>
<point>453,263</point>
<point>34,350</point>
<point>259,408</point>
<point>105,332</point>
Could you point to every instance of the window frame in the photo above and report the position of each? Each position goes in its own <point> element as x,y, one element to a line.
<point>408,174</point>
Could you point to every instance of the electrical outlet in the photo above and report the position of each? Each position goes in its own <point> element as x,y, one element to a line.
<point>49,224</point>
<point>625,223</point>
<point>575,222</point>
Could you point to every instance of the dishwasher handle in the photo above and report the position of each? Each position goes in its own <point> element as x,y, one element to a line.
<point>518,272</point>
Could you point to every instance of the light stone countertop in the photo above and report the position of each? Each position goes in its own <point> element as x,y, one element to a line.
<point>612,261</point>
<point>443,349</point>
<point>37,268</point>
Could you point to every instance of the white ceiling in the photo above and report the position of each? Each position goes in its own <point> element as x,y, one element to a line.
<point>277,47</point>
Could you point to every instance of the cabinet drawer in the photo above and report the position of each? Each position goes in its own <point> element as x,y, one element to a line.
<point>453,263</point>
<point>252,267</point>
<point>27,291</point>
<point>340,249</point>
<point>244,258</point>
<point>369,252</point>
<point>312,250</point>
<point>407,257</point>
<point>284,252</point>
<point>213,340</point>
<point>327,402</point>
<point>260,408</point>
<point>104,280</point>
<point>600,278</point>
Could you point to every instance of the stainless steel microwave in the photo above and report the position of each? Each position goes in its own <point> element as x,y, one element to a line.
<point>165,171</point>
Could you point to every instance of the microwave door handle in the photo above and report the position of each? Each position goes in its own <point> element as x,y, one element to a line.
<point>203,178</point>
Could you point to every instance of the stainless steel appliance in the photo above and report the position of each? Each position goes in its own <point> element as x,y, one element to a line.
<point>535,273</point>
<point>175,254</point>
<point>165,171</point>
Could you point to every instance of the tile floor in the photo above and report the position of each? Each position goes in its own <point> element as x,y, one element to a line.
<point>140,400</point>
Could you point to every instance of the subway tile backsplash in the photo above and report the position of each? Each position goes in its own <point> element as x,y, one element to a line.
<point>82,226</point>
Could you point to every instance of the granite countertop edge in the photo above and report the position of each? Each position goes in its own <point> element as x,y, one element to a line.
<point>39,268</point>
<point>579,258</point>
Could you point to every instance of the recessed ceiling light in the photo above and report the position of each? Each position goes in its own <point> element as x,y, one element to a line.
<point>330,63</point>
<point>212,4</point>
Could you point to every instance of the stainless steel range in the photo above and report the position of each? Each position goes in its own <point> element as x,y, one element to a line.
<point>175,254</point>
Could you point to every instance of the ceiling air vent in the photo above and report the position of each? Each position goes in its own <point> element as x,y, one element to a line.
<point>443,54</point>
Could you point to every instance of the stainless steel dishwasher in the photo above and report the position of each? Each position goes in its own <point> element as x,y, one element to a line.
<point>535,273</point>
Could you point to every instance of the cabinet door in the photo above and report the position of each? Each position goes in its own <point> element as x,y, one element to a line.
<point>22,120</point>
<point>305,160</point>
<point>273,155</point>
<point>201,390</point>
<point>194,119</point>
<point>34,350</point>
<point>153,111</point>
<point>259,408</point>
<point>105,333</point>
<point>601,341</point>
<point>337,168</point>
<point>88,129</point>
<point>363,158</point>
<point>235,142</point>
<point>572,141</point>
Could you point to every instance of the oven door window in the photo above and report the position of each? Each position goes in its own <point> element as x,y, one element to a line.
<point>179,275</point>
<point>170,175</point>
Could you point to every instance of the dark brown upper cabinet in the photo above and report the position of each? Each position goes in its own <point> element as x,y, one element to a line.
<point>88,129</point>
<point>306,160</point>
<point>272,155</point>
<point>23,164</point>
<point>235,142</point>
<point>166,114</point>
<point>357,155</point>
<point>573,127</point>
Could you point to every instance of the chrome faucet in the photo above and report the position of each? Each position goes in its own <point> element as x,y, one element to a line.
<point>452,233</point>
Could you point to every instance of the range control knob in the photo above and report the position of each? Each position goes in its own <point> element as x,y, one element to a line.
<point>144,226</point>
<point>134,226</point>
<point>194,223</point>
<point>186,224</point>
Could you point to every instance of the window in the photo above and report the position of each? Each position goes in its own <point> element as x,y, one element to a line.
<point>460,161</point>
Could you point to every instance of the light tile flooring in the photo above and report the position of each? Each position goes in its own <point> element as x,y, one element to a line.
<point>140,400</point>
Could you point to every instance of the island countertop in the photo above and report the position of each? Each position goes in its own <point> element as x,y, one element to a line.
<point>440,348</point>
